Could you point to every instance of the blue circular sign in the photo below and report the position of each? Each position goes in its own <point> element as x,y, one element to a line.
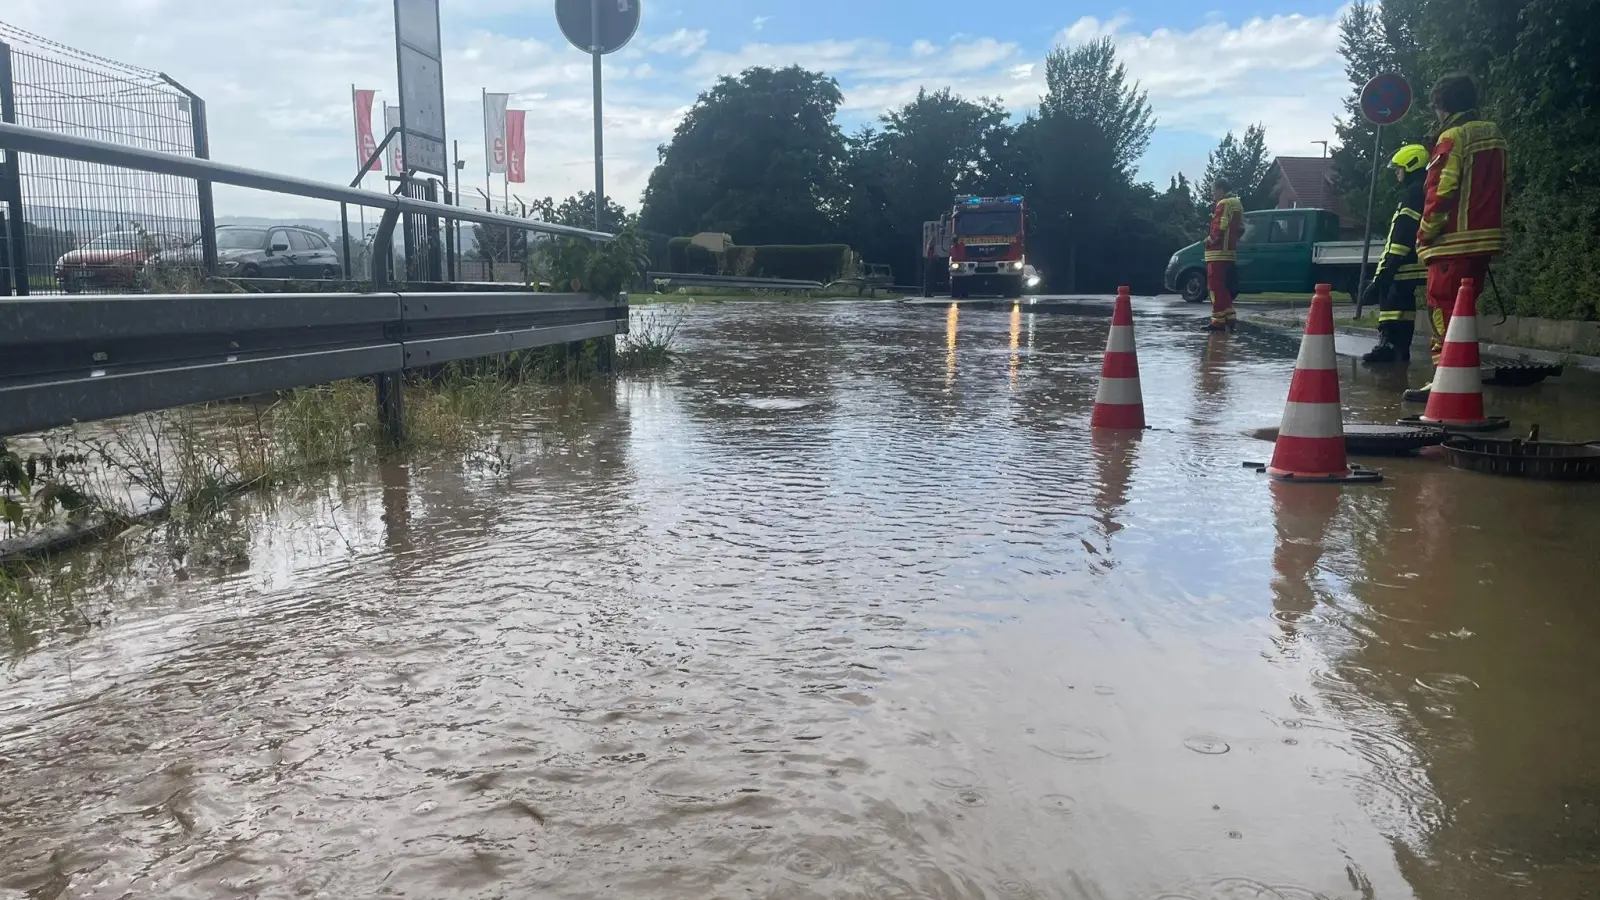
<point>1386,99</point>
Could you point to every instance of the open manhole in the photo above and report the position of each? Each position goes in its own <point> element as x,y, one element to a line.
<point>1553,460</point>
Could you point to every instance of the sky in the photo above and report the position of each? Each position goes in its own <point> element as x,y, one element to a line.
<point>277,75</point>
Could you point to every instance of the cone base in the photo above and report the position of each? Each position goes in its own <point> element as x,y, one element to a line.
<point>1352,475</point>
<point>1116,417</point>
<point>1489,423</point>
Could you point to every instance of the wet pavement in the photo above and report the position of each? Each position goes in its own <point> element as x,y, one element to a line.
<point>849,603</point>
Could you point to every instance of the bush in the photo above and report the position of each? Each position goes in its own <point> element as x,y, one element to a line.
<point>1550,268</point>
<point>809,262</point>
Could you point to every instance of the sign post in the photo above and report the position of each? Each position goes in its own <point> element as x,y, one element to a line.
<point>598,27</point>
<point>1384,101</point>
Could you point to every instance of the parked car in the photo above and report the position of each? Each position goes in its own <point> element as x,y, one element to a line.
<point>112,260</point>
<point>254,251</point>
<point>1281,250</point>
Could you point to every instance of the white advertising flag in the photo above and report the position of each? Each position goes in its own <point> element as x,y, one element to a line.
<point>494,132</point>
<point>391,120</point>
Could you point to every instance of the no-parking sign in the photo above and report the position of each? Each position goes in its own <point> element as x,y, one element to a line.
<point>1386,99</point>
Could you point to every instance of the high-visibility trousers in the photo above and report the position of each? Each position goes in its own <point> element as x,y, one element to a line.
<point>1222,278</point>
<point>1398,303</point>
<point>1397,316</point>
<point>1444,283</point>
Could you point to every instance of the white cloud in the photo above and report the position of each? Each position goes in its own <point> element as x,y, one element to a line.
<point>1284,72</point>
<point>279,100</point>
<point>760,22</point>
<point>979,55</point>
<point>683,42</point>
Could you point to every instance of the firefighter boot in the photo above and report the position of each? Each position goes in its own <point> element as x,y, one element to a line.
<point>1386,351</point>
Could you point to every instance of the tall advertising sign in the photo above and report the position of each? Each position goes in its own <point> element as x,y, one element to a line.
<point>417,52</point>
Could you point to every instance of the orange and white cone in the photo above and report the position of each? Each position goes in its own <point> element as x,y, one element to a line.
<point>1119,402</point>
<point>1456,397</point>
<point>1310,445</point>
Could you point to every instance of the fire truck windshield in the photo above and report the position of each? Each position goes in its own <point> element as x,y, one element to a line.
<point>974,224</point>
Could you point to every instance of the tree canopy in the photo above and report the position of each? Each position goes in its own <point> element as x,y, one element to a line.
<point>1534,61</point>
<point>1245,163</point>
<point>756,156</point>
<point>760,156</point>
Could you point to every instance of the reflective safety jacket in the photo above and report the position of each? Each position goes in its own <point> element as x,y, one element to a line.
<point>1464,210</point>
<point>1399,262</point>
<point>1227,226</point>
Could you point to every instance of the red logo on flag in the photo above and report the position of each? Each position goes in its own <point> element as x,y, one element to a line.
<point>517,146</point>
<point>366,145</point>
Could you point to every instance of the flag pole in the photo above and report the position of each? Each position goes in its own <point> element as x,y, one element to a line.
<point>488,153</point>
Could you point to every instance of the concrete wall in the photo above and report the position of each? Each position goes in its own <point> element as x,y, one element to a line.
<point>1550,334</point>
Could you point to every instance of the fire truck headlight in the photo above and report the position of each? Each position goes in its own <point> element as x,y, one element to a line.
<point>955,267</point>
<point>1017,265</point>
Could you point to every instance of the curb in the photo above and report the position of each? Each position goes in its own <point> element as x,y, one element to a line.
<point>1502,351</point>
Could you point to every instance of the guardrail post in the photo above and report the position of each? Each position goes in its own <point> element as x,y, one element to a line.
<point>391,385</point>
<point>11,186</point>
<point>392,407</point>
<point>344,233</point>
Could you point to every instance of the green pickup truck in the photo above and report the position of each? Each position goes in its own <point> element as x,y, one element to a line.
<point>1282,251</point>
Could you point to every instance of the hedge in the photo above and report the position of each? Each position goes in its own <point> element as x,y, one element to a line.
<point>811,262</point>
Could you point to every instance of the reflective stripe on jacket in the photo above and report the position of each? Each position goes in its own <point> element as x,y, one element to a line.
<point>1464,211</point>
<point>1399,262</point>
<point>1227,225</point>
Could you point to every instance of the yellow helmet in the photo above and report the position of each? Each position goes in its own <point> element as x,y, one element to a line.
<point>1410,158</point>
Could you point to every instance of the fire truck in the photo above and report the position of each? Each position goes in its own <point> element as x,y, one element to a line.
<point>988,248</point>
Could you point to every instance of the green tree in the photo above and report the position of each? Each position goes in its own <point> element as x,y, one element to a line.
<point>1078,155</point>
<point>757,156</point>
<point>577,211</point>
<point>1246,164</point>
<point>1534,61</point>
<point>929,150</point>
<point>1376,39</point>
<point>1088,83</point>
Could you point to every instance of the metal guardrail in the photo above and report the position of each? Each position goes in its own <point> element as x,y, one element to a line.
<point>82,358</point>
<point>65,360</point>
<point>735,281</point>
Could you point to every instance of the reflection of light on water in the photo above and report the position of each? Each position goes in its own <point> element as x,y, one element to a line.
<point>1016,334</point>
<point>950,345</point>
<point>1031,317</point>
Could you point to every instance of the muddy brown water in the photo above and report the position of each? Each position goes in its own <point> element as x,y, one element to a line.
<point>849,604</point>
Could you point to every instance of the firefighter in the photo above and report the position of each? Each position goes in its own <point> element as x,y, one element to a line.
<point>1463,208</point>
<point>1394,285</point>
<point>1222,254</point>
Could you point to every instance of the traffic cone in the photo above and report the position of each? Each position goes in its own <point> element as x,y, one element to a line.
<point>1456,398</point>
<point>1310,444</point>
<point>1119,402</point>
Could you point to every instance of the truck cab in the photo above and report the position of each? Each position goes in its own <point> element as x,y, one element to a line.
<point>1276,254</point>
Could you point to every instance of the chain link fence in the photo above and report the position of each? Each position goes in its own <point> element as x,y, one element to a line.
<point>75,226</point>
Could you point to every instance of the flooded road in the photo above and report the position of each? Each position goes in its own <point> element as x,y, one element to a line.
<point>849,603</point>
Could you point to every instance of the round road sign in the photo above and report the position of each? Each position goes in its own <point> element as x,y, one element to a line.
<point>1386,99</point>
<point>619,19</point>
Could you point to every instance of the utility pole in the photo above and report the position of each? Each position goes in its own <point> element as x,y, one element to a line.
<point>1322,185</point>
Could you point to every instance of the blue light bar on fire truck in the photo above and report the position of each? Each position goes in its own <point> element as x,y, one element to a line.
<point>1014,200</point>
